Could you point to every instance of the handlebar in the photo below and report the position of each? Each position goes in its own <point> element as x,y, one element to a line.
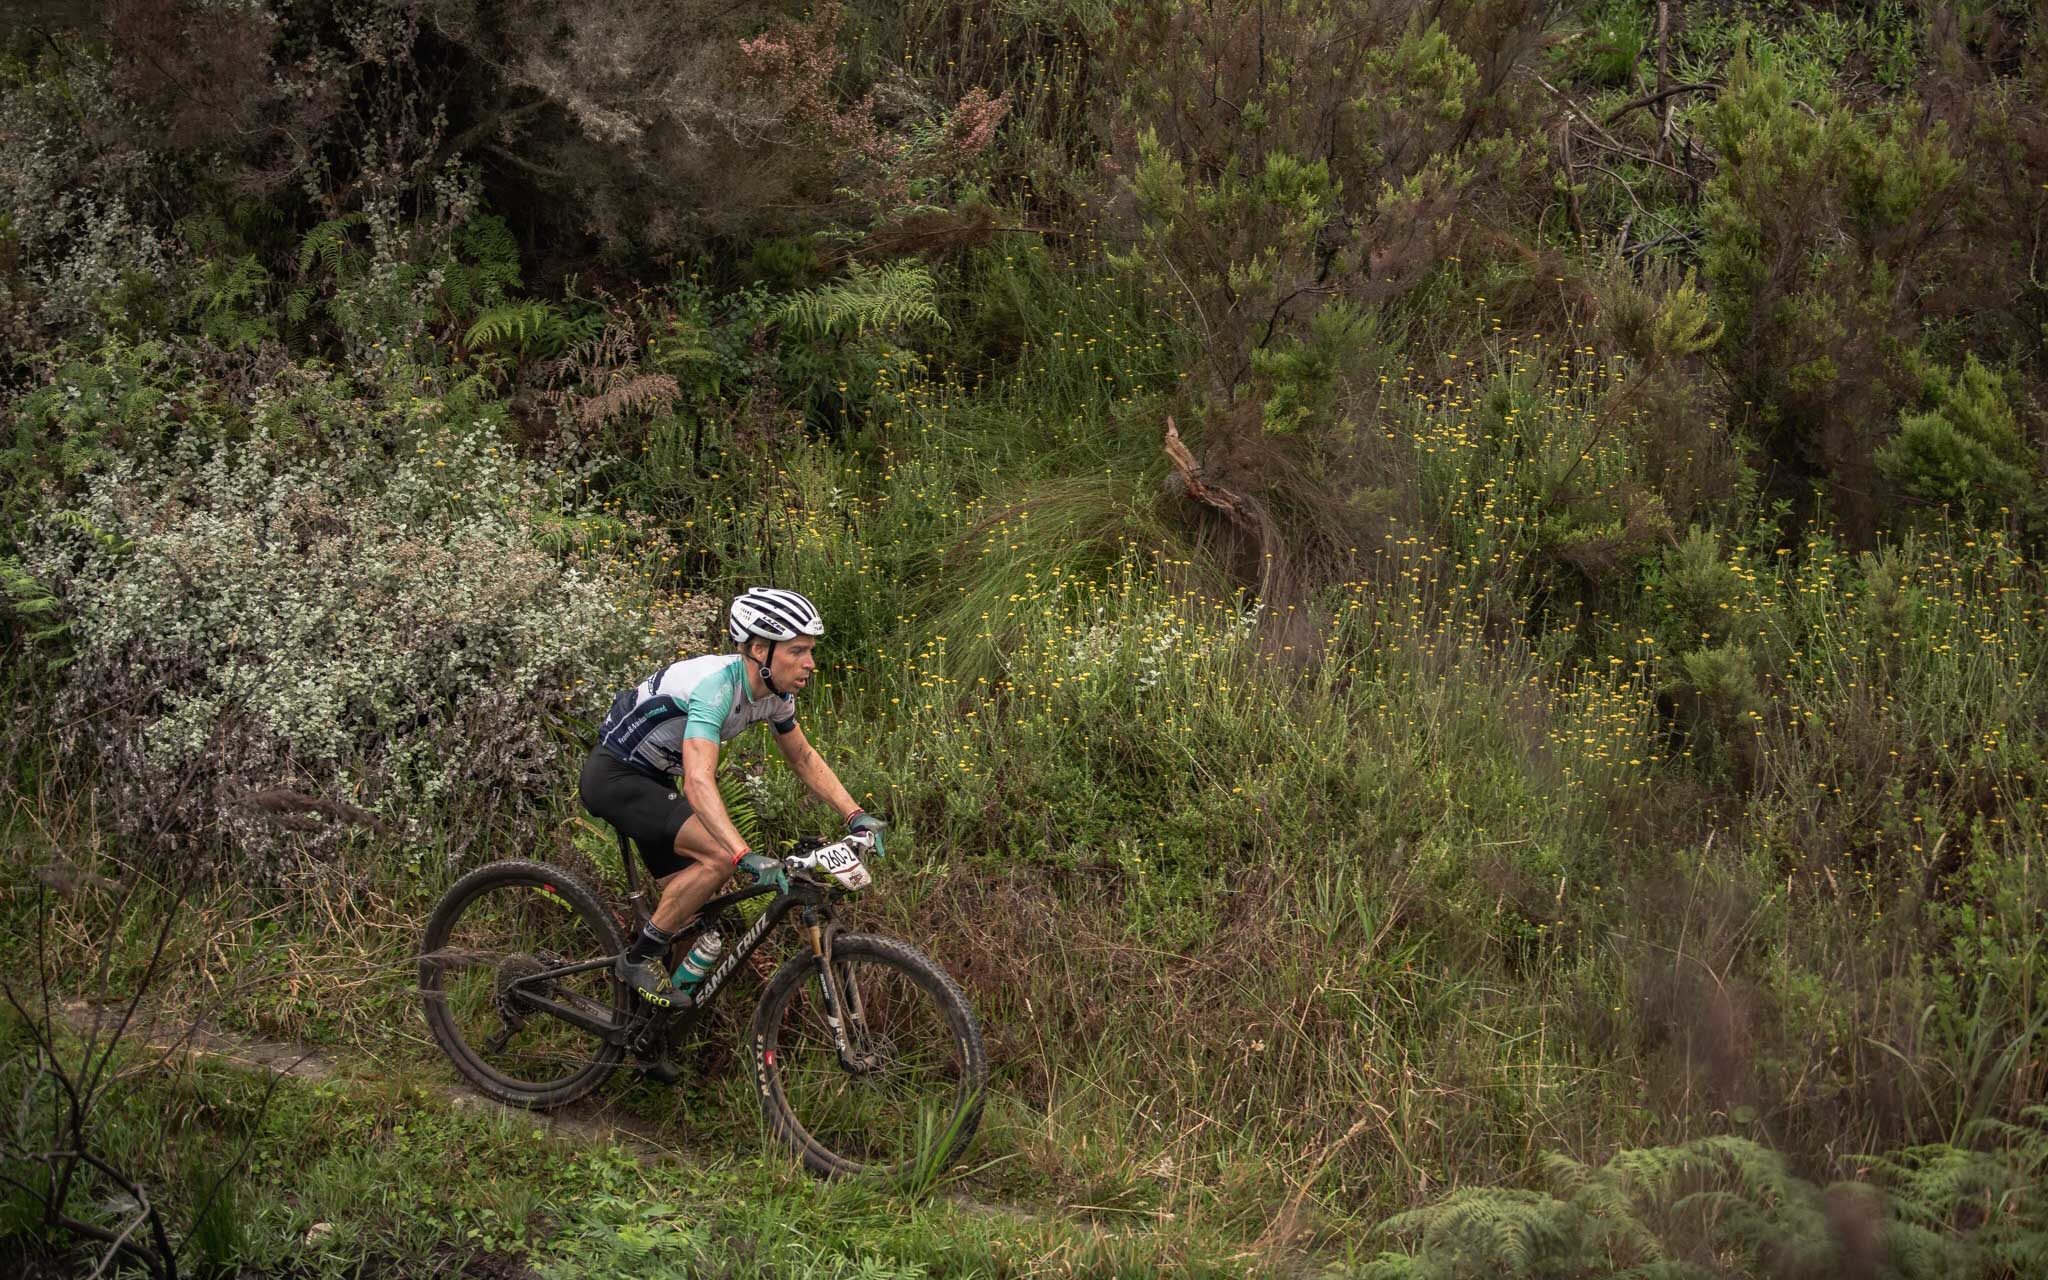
<point>861,842</point>
<point>847,856</point>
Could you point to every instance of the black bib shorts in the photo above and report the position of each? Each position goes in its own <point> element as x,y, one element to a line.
<point>647,811</point>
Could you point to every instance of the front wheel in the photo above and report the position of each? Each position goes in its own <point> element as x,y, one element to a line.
<point>908,1099</point>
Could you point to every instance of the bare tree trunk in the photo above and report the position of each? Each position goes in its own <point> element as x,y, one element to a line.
<point>1664,77</point>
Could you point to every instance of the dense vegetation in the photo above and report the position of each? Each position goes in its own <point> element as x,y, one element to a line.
<point>1445,600</point>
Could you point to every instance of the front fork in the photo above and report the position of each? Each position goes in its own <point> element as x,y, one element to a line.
<point>849,1032</point>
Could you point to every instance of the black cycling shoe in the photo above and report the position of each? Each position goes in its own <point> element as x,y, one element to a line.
<point>647,979</point>
<point>658,1069</point>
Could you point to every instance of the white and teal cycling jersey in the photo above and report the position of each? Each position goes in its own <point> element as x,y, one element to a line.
<point>704,698</point>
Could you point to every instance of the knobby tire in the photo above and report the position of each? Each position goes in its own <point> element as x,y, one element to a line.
<point>587,932</point>
<point>929,1029</point>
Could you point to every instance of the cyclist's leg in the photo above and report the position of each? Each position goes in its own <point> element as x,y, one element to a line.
<point>708,867</point>
<point>650,812</point>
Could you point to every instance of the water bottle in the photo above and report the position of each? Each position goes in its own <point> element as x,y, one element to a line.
<point>702,959</point>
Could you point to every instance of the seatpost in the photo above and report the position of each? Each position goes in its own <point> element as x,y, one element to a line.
<point>634,894</point>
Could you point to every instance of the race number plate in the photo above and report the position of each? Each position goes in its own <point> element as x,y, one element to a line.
<point>843,865</point>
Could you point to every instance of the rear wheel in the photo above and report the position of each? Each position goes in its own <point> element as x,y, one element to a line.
<point>494,934</point>
<point>908,1100</point>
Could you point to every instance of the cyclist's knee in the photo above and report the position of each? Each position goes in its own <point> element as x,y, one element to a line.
<point>694,842</point>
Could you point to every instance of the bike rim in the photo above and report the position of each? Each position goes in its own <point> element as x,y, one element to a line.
<point>506,935</point>
<point>905,1111</point>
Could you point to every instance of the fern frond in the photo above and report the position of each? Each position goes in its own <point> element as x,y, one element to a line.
<point>644,392</point>
<point>1503,1225</point>
<point>79,522</point>
<point>685,342</point>
<point>484,269</point>
<point>888,298</point>
<point>1649,1173</point>
<point>2026,1255</point>
<point>487,239</point>
<point>1936,1210</point>
<point>1916,1250</point>
<point>1614,1214</point>
<point>527,325</point>
<point>328,243</point>
<point>201,231</point>
<point>560,534</point>
<point>1402,1266</point>
<point>229,302</point>
<point>583,329</point>
<point>1667,1269</point>
<point>1564,1174</point>
<point>1754,1168</point>
<point>25,592</point>
<point>739,806</point>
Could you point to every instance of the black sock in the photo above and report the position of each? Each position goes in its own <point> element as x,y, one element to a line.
<point>649,943</point>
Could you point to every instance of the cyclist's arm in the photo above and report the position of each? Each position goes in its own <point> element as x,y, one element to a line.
<point>700,768</point>
<point>816,774</point>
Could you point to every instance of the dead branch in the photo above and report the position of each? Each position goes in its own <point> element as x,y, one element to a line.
<point>1661,95</point>
<point>1664,75</point>
<point>1246,513</point>
<point>1598,135</point>
<point>284,801</point>
<point>1675,237</point>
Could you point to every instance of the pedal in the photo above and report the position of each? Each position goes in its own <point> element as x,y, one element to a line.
<point>658,1069</point>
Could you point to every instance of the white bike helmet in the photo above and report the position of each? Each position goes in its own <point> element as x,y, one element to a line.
<point>771,614</point>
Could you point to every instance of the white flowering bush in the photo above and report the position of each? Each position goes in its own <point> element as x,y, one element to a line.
<point>276,645</point>
<point>65,211</point>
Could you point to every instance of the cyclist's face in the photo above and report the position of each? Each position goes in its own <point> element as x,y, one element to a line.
<point>794,662</point>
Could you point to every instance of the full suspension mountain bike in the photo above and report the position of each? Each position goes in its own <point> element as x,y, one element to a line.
<point>865,1054</point>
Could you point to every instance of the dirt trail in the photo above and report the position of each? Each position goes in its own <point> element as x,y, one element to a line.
<point>198,1041</point>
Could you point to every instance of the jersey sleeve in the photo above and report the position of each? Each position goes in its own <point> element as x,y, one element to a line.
<point>710,703</point>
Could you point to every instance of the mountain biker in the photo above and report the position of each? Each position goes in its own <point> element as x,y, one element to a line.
<point>672,723</point>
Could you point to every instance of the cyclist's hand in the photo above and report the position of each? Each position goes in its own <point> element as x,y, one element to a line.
<point>765,870</point>
<point>861,820</point>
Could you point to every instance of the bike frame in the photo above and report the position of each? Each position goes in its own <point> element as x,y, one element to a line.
<point>806,896</point>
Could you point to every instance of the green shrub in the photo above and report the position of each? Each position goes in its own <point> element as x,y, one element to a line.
<point>1965,449</point>
<point>377,281</point>
<point>1819,219</point>
<point>1321,166</point>
<point>1905,694</point>
<point>839,336</point>
<point>274,633</point>
<point>88,410</point>
<point>77,204</point>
